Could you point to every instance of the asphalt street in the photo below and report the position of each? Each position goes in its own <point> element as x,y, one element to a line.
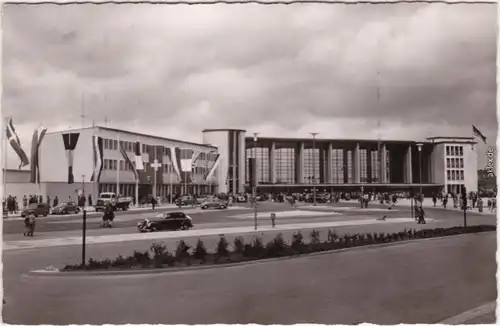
<point>22,290</point>
<point>418,282</point>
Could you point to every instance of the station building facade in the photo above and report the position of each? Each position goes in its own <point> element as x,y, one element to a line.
<point>220,163</point>
<point>113,174</point>
<point>295,164</point>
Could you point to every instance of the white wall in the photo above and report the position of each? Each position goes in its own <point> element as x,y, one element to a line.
<point>439,164</point>
<point>470,167</point>
<point>53,161</point>
<point>19,189</point>
<point>219,139</point>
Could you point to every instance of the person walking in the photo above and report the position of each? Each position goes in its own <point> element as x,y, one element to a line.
<point>29,222</point>
<point>421,215</point>
<point>153,202</point>
<point>56,201</point>
<point>434,200</point>
<point>25,202</point>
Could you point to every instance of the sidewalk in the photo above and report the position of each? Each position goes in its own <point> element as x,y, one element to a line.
<point>427,203</point>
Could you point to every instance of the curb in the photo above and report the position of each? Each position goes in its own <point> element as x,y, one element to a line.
<point>58,273</point>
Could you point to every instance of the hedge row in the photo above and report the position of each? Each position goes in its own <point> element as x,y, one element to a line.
<point>184,255</point>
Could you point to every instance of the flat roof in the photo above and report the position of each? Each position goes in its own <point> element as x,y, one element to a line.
<point>310,139</point>
<point>448,137</point>
<point>136,134</point>
<point>211,130</point>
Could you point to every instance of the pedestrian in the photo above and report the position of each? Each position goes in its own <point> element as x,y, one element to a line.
<point>25,202</point>
<point>421,215</point>
<point>480,204</point>
<point>48,200</point>
<point>29,222</point>
<point>90,200</point>
<point>56,201</point>
<point>434,200</point>
<point>153,202</point>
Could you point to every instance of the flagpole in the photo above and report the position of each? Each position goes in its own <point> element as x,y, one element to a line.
<point>118,169</point>
<point>5,157</point>
<point>170,180</point>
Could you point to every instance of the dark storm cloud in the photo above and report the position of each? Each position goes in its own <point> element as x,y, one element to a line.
<point>281,69</point>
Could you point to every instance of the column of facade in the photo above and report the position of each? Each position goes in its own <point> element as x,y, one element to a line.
<point>321,164</point>
<point>272,163</point>
<point>408,166</point>
<point>329,172</point>
<point>299,163</point>
<point>356,164</point>
<point>345,165</point>
<point>369,153</point>
<point>383,163</point>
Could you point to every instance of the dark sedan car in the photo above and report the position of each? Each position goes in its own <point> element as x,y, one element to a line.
<point>166,221</point>
<point>36,210</point>
<point>66,208</point>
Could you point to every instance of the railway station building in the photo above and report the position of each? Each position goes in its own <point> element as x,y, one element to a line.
<point>219,163</point>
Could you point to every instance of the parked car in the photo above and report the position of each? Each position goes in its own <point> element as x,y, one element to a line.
<point>219,204</point>
<point>166,221</point>
<point>36,210</point>
<point>66,208</point>
<point>186,201</point>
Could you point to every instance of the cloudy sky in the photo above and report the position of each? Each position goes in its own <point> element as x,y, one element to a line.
<point>173,70</point>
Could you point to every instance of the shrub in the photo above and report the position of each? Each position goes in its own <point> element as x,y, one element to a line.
<point>277,247</point>
<point>315,239</point>
<point>332,236</point>
<point>222,247</point>
<point>200,252</point>
<point>158,250</point>
<point>258,248</point>
<point>182,250</point>
<point>297,241</point>
<point>239,245</point>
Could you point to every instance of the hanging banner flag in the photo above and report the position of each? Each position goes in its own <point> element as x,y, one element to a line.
<point>214,167</point>
<point>128,161</point>
<point>139,163</point>
<point>35,149</point>
<point>15,143</point>
<point>70,140</point>
<point>98,150</point>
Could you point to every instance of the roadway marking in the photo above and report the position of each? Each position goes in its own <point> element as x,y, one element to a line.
<point>297,213</point>
<point>136,217</point>
<point>114,238</point>
<point>470,314</point>
<point>349,208</point>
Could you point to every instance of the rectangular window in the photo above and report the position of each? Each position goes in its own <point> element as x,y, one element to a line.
<point>462,175</point>
<point>461,151</point>
<point>448,174</point>
<point>122,165</point>
<point>448,165</point>
<point>105,164</point>
<point>448,151</point>
<point>115,144</point>
<point>461,163</point>
<point>453,175</point>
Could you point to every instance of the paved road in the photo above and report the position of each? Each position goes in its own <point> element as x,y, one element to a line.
<point>420,282</point>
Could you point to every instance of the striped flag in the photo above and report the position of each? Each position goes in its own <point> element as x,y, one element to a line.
<point>35,148</point>
<point>128,161</point>
<point>479,134</point>
<point>139,164</point>
<point>14,141</point>
<point>214,167</point>
<point>70,140</point>
<point>98,148</point>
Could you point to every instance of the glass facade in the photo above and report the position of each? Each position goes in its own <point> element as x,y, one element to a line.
<point>285,166</point>
<point>311,166</point>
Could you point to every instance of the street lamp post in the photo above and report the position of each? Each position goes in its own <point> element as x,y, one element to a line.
<point>84,225</point>
<point>419,147</point>
<point>314,134</point>
<point>254,190</point>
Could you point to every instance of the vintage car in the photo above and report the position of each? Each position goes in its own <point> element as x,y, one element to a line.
<point>214,203</point>
<point>166,221</point>
<point>187,201</point>
<point>36,210</point>
<point>66,208</point>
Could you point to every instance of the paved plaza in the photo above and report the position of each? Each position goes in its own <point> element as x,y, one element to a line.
<point>259,299</point>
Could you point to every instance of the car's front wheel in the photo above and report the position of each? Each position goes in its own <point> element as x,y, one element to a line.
<point>204,207</point>
<point>222,206</point>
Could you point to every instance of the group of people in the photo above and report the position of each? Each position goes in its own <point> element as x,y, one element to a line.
<point>473,201</point>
